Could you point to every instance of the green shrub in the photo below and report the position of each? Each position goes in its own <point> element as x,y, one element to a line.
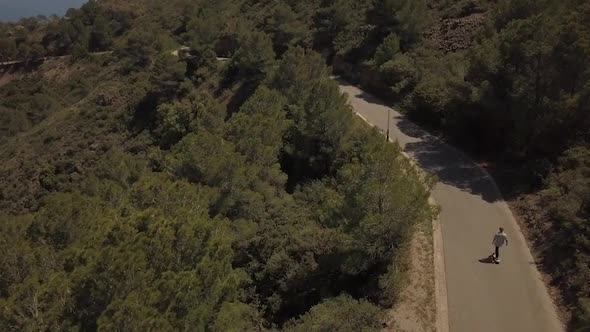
<point>339,314</point>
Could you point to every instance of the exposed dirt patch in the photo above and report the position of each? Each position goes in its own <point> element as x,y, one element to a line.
<point>6,77</point>
<point>452,34</point>
<point>416,310</point>
<point>59,70</point>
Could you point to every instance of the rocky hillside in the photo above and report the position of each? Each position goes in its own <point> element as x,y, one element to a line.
<point>456,23</point>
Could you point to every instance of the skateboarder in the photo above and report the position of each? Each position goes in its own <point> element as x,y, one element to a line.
<point>499,239</point>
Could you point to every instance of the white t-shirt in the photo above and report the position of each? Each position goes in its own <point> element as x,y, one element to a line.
<point>500,239</point>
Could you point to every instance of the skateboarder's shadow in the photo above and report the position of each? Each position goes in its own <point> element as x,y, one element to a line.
<point>487,260</point>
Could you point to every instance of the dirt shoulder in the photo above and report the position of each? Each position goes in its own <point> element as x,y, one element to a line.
<point>6,77</point>
<point>416,310</point>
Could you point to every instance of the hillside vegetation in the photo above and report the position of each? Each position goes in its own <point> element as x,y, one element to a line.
<point>142,191</point>
<point>507,81</point>
<point>305,209</point>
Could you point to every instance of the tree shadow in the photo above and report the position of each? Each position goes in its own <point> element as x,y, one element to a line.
<point>243,92</point>
<point>409,128</point>
<point>342,82</point>
<point>451,166</point>
<point>369,98</point>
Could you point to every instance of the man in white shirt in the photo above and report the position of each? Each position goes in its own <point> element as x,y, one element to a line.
<point>499,240</point>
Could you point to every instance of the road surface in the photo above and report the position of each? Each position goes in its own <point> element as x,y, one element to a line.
<point>18,62</point>
<point>481,296</point>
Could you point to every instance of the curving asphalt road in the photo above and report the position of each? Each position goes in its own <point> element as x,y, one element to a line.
<point>481,296</point>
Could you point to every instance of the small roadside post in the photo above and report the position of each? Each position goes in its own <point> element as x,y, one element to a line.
<point>388,117</point>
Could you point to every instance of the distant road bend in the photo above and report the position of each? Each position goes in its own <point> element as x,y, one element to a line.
<point>184,50</point>
<point>18,62</point>
<point>482,297</point>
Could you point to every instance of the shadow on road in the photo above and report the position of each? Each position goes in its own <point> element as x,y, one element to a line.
<point>451,166</point>
<point>409,128</point>
<point>486,260</point>
<point>369,98</point>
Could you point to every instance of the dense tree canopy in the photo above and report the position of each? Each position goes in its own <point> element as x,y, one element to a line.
<point>243,195</point>
<point>234,196</point>
<point>518,93</point>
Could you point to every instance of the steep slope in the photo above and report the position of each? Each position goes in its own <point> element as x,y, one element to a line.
<point>86,117</point>
<point>147,191</point>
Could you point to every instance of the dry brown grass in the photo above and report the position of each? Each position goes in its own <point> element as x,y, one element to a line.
<point>416,310</point>
<point>7,77</point>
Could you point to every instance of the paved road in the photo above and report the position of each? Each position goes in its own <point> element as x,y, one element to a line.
<point>18,62</point>
<point>481,296</point>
